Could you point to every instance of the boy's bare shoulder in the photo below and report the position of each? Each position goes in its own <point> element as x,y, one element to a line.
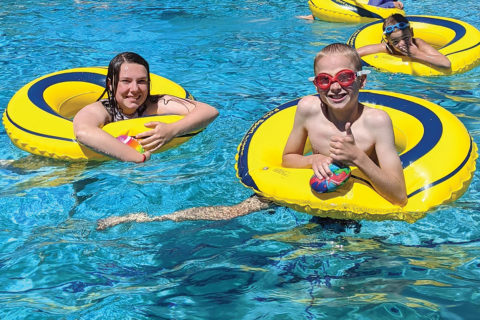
<point>309,104</point>
<point>420,42</point>
<point>376,117</point>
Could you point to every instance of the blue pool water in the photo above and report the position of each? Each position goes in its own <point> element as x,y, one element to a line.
<point>244,57</point>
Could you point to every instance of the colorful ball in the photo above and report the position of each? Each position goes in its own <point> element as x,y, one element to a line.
<point>131,142</point>
<point>339,177</point>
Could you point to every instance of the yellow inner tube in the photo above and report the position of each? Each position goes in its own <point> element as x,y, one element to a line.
<point>436,150</point>
<point>353,11</point>
<point>457,40</point>
<point>38,118</point>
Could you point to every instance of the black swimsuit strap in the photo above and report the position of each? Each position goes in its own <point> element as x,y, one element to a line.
<point>117,115</point>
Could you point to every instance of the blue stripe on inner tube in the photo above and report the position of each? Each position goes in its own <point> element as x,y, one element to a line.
<point>463,50</point>
<point>36,133</point>
<point>448,176</point>
<point>35,93</point>
<point>432,126</point>
<point>459,30</point>
<point>242,163</point>
<point>360,11</point>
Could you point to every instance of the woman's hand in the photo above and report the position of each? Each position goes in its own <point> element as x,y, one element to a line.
<point>160,134</point>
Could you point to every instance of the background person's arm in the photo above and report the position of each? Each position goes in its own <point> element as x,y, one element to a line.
<point>424,52</point>
<point>371,49</point>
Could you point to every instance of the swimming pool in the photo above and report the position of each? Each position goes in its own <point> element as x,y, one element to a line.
<point>244,57</point>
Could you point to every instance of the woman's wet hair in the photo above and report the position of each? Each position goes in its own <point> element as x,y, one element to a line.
<point>113,74</point>
<point>340,48</point>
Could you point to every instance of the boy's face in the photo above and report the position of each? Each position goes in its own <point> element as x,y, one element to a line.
<point>337,96</point>
<point>400,39</point>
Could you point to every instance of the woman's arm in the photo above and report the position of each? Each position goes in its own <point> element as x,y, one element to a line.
<point>87,127</point>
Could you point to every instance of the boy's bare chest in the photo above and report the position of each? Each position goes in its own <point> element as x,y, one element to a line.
<point>320,136</point>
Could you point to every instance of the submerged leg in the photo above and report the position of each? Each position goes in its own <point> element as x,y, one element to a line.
<point>307,17</point>
<point>252,204</point>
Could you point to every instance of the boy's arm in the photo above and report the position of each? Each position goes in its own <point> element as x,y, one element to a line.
<point>371,49</point>
<point>293,152</point>
<point>386,177</point>
<point>424,52</point>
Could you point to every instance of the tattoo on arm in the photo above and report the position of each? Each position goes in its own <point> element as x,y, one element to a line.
<point>188,104</point>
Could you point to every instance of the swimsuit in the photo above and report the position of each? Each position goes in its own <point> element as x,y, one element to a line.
<point>382,3</point>
<point>116,114</point>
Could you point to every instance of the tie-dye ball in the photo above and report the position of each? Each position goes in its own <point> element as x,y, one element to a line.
<point>339,177</point>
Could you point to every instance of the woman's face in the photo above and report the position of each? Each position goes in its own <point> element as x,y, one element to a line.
<point>132,87</point>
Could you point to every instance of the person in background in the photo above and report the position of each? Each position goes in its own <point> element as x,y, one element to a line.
<point>390,4</point>
<point>386,4</point>
<point>398,39</point>
<point>128,90</point>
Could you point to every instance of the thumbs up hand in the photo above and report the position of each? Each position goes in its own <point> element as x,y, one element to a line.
<point>343,147</point>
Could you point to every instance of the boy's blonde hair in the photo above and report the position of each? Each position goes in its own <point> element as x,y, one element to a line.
<point>339,48</point>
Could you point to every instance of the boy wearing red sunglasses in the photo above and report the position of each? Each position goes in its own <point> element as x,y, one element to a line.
<point>342,130</point>
<point>398,39</point>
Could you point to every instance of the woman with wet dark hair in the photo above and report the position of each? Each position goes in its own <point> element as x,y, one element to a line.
<point>113,78</point>
<point>128,96</point>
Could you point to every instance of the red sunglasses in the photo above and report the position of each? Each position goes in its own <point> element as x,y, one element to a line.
<point>344,77</point>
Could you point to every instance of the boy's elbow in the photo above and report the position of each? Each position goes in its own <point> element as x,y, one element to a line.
<point>400,200</point>
<point>403,201</point>
<point>285,162</point>
<point>291,160</point>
